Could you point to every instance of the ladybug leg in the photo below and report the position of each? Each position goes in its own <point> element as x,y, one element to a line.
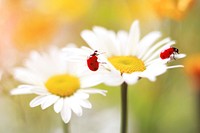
<point>102,62</point>
<point>174,55</point>
<point>171,58</point>
<point>104,66</point>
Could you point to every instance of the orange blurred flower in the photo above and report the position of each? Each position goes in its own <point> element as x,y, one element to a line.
<point>173,9</point>
<point>68,10</point>
<point>24,27</point>
<point>7,50</point>
<point>192,68</point>
<point>34,29</point>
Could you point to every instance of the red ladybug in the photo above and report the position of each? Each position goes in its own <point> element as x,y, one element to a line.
<point>92,62</point>
<point>168,52</point>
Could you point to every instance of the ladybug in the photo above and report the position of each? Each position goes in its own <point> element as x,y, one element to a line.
<point>168,52</point>
<point>92,62</point>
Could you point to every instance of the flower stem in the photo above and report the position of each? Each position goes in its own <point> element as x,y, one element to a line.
<point>124,88</point>
<point>198,110</point>
<point>65,128</point>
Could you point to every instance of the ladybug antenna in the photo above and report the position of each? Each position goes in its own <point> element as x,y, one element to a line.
<point>96,52</point>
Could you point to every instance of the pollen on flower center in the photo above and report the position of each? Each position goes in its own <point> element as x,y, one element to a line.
<point>127,64</point>
<point>63,85</point>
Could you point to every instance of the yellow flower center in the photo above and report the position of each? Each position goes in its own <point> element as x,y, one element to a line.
<point>63,85</point>
<point>127,64</point>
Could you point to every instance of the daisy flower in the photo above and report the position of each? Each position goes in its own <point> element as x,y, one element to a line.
<point>57,83</point>
<point>126,57</point>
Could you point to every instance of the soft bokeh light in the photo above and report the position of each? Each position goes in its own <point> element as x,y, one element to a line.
<point>7,50</point>
<point>34,29</point>
<point>173,9</point>
<point>192,68</point>
<point>68,10</point>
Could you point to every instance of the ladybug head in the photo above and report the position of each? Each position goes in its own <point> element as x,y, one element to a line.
<point>176,50</point>
<point>95,53</point>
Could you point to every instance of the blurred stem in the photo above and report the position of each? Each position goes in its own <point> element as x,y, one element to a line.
<point>124,88</point>
<point>198,110</point>
<point>65,127</point>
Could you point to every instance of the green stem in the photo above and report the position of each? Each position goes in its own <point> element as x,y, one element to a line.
<point>198,110</point>
<point>65,127</point>
<point>124,88</point>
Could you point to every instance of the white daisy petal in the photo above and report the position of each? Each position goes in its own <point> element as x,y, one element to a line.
<point>113,78</point>
<point>94,91</point>
<point>70,51</point>
<point>157,60</point>
<point>176,66</point>
<point>86,49</point>
<point>91,80</point>
<point>133,38</point>
<point>37,101</point>
<point>70,54</point>
<point>76,108</point>
<point>49,100</point>
<point>153,70</point>
<point>40,91</point>
<point>58,105</point>
<point>26,76</point>
<point>22,89</point>
<point>91,39</point>
<point>106,37</point>
<point>108,65</point>
<point>37,64</point>
<point>85,104</point>
<point>114,82</point>
<point>66,111</point>
<point>157,45</point>
<point>81,95</point>
<point>146,42</point>
<point>131,78</point>
<point>179,56</point>
<point>122,37</point>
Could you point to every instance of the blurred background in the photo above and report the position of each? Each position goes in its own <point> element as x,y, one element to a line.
<point>169,105</point>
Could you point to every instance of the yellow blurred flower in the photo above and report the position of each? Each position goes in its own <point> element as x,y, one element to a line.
<point>34,29</point>
<point>141,9</point>
<point>192,68</point>
<point>69,10</point>
<point>173,9</point>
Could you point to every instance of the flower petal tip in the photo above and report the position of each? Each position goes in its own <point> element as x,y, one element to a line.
<point>136,22</point>
<point>179,56</point>
<point>104,92</point>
